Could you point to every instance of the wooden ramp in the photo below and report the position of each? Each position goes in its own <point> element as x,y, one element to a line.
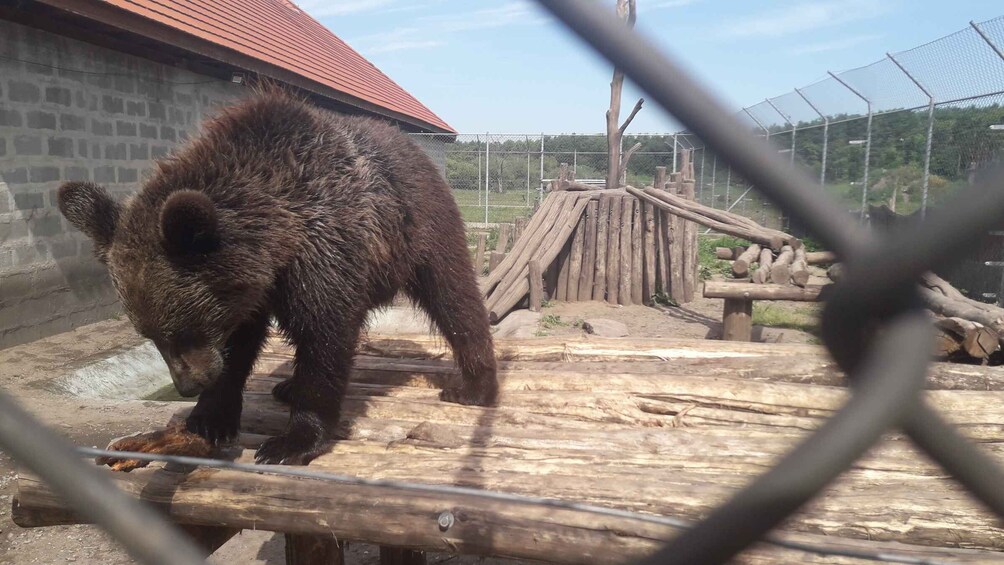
<point>655,427</point>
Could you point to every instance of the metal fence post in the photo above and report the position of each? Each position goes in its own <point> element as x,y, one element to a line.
<point>930,134</point>
<point>674,152</point>
<point>728,185</point>
<point>987,39</point>
<point>488,168</point>
<point>788,121</point>
<point>700,187</point>
<point>540,191</point>
<point>526,139</point>
<point>826,136</point>
<point>714,169</point>
<point>868,141</point>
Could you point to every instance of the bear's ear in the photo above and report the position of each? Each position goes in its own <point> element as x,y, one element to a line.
<point>89,207</point>
<point>188,223</point>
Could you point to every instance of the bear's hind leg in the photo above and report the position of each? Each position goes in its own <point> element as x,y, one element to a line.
<point>454,303</point>
<point>217,414</point>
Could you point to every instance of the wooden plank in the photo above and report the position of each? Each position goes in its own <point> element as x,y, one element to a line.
<point>649,251</point>
<point>602,229</point>
<point>637,254</point>
<point>494,259</point>
<point>690,258</point>
<point>588,270</point>
<point>540,226</point>
<point>737,320</point>
<point>575,260</point>
<point>502,244</point>
<point>536,286</point>
<point>313,550</point>
<point>747,291</point>
<point>479,254</point>
<point>614,250</point>
<point>624,280</point>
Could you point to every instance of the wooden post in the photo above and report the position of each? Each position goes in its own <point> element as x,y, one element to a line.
<point>536,286</point>
<point>575,261</point>
<point>479,253</point>
<point>502,244</point>
<point>741,266</point>
<point>637,254</point>
<point>737,320</point>
<point>314,550</point>
<point>564,264</point>
<point>398,556</point>
<point>648,289</point>
<point>518,231</point>
<point>780,270</point>
<point>690,259</point>
<point>660,178</point>
<point>494,258</point>
<point>614,250</point>
<point>602,229</point>
<point>676,263</point>
<point>588,273</point>
<point>762,274</point>
<point>624,281</point>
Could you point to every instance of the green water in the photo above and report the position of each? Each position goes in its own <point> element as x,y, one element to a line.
<point>167,394</point>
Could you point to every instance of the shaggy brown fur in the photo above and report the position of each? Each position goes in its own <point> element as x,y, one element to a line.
<point>280,209</point>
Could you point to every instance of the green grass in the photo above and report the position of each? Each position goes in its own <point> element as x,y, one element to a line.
<point>472,205</point>
<point>803,318</point>
<point>710,265</point>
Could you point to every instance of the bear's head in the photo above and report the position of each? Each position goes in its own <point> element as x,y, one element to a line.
<point>168,257</point>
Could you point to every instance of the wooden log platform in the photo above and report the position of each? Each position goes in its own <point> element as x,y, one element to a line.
<point>654,427</point>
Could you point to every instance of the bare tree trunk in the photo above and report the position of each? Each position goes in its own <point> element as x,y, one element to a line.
<point>626,11</point>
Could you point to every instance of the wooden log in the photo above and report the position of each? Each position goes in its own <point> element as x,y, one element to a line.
<point>314,550</point>
<point>820,257</point>
<point>517,291</point>
<point>494,259</point>
<point>800,268</point>
<point>398,556</point>
<point>660,178</point>
<point>564,266</point>
<point>588,271</point>
<point>762,274</point>
<point>975,339</point>
<point>780,270</point>
<point>945,306</point>
<point>637,253</point>
<point>728,253</point>
<point>624,280</point>
<point>746,291</point>
<point>649,251</point>
<point>614,250</point>
<point>946,344</point>
<point>575,261</point>
<point>602,245</point>
<point>741,266</point>
<point>479,253</point>
<point>934,282</point>
<point>518,229</point>
<point>676,262</point>
<point>835,272</point>
<point>757,234</point>
<point>540,227</point>
<point>737,320</point>
<point>689,247</point>
<point>536,283</point>
<point>502,244</point>
<point>662,237</point>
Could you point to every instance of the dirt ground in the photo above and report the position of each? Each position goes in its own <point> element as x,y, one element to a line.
<point>94,422</point>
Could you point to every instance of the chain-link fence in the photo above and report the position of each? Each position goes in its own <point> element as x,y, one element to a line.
<point>497,178</point>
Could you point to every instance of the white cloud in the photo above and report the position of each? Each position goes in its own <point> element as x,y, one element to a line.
<point>836,44</point>
<point>404,46</point>
<point>400,39</point>
<point>805,16</point>
<point>327,8</point>
<point>512,13</point>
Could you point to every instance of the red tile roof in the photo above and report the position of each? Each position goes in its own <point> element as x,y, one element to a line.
<point>278,33</point>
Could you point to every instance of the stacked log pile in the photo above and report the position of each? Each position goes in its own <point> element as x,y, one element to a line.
<point>761,265</point>
<point>661,427</point>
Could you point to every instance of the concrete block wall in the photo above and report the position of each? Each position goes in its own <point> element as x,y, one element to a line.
<point>83,113</point>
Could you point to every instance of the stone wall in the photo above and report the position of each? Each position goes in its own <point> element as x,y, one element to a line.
<point>82,113</point>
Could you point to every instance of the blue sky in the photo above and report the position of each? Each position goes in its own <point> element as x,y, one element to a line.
<point>507,66</point>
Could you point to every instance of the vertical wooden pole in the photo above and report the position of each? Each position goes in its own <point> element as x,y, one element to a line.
<point>479,253</point>
<point>494,258</point>
<point>602,228</point>
<point>689,249</point>
<point>575,260</point>
<point>588,253</point>
<point>737,320</point>
<point>637,254</point>
<point>518,230</point>
<point>624,281</point>
<point>503,241</point>
<point>398,556</point>
<point>564,265</point>
<point>649,249</point>
<point>313,550</point>
<point>614,250</point>
<point>660,178</point>
<point>677,266</point>
<point>536,286</point>
<point>662,237</point>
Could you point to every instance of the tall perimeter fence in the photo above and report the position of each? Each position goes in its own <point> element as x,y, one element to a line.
<point>904,134</point>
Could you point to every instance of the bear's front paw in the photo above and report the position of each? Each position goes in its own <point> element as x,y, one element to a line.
<point>288,449</point>
<point>220,427</point>
<point>470,394</point>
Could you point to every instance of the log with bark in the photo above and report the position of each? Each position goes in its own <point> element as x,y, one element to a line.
<point>762,274</point>
<point>800,268</point>
<point>674,436</point>
<point>780,269</point>
<point>741,266</point>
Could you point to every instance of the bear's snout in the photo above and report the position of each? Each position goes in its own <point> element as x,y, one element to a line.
<point>193,371</point>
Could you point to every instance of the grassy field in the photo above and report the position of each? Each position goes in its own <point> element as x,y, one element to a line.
<point>504,207</point>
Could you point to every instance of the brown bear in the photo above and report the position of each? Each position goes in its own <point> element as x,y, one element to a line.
<point>281,209</point>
